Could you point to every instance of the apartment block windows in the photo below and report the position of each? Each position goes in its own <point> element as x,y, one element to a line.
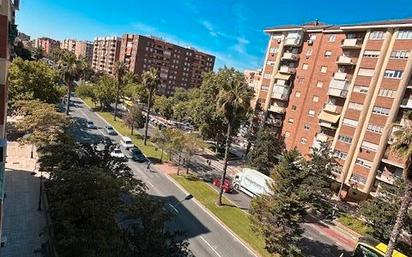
<point>381,110</point>
<point>297,94</point>
<point>400,54</point>
<point>303,141</point>
<point>273,50</point>
<point>315,99</point>
<point>328,54</point>
<point>340,155</point>
<point>291,121</point>
<point>287,134</point>
<point>311,113</point>
<point>332,38</point>
<point>306,126</point>
<point>319,84</point>
<point>305,66</point>
<point>387,92</point>
<point>264,88</point>
<point>363,163</point>
<point>323,69</point>
<point>358,178</point>
<point>393,74</point>
<point>377,35</point>
<point>345,139</point>
<point>267,75</point>
<point>371,54</point>
<point>375,128</point>
<point>309,51</point>
<point>360,89</point>
<point>368,146</point>
<point>293,107</point>
<point>355,106</point>
<point>365,72</point>
<point>350,122</point>
<point>405,34</point>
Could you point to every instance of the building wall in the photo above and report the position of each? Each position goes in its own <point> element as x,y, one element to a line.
<point>84,49</point>
<point>106,52</point>
<point>47,44</point>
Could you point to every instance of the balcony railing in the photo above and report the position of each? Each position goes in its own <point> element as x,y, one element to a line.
<point>280,92</point>
<point>326,124</point>
<point>290,56</point>
<point>344,60</point>
<point>352,43</point>
<point>406,103</point>
<point>274,122</point>
<point>293,41</point>
<point>386,177</point>
<point>340,75</point>
<point>319,139</point>
<point>287,69</point>
<point>338,92</point>
<point>277,109</point>
<point>331,108</point>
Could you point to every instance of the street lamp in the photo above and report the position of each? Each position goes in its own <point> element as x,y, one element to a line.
<point>188,197</point>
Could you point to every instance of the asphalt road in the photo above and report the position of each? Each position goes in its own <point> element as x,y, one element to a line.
<point>205,235</point>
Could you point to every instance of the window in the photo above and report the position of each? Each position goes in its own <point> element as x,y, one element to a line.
<point>365,72</point>
<point>306,126</point>
<point>328,54</point>
<point>368,146</point>
<point>345,139</point>
<point>363,163</point>
<point>405,34</point>
<point>381,110</point>
<point>315,99</point>
<point>293,108</point>
<point>267,75</point>
<point>400,54</point>
<point>311,113</point>
<point>303,141</point>
<point>305,66</point>
<point>355,106</point>
<point>297,94</point>
<point>350,122</point>
<point>358,178</point>
<point>360,89</point>
<point>393,74</point>
<point>290,121</point>
<point>273,50</point>
<point>340,155</point>
<point>377,35</point>
<point>312,37</point>
<point>309,51</point>
<point>387,92</point>
<point>323,69</point>
<point>300,80</point>
<point>375,128</point>
<point>287,134</point>
<point>319,84</point>
<point>264,88</point>
<point>332,38</point>
<point>371,54</point>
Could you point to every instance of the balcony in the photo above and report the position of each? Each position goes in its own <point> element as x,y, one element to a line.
<point>337,92</point>
<point>293,41</point>
<point>344,60</point>
<point>393,159</point>
<point>274,122</point>
<point>290,56</point>
<point>330,107</point>
<point>277,109</point>
<point>340,75</point>
<point>385,176</point>
<point>352,43</point>
<point>287,70</point>
<point>406,103</point>
<point>328,120</point>
<point>319,139</point>
<point>280,92</point>
<point>338,88</point>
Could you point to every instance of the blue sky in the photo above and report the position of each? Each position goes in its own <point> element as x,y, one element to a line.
<point>232,30</point>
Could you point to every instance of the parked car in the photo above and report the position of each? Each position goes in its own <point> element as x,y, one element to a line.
<point>126,142</point>
<point>137,155</point>
<point>252,182</point>
<point>110,130</point>
<point>117,153</point>
<point>90,125</point>
<point>107,141</point>
<point>227,185</point>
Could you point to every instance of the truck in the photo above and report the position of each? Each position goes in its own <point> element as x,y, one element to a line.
<point>252,182</point>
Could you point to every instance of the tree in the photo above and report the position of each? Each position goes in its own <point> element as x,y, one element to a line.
<point>192,144</point>
<point>233,103</point>
<point>151,81</point>
<point>265,153</point>
<point>120,71</point>
<point>136,92</point>
<point>402,147</point>
<point>70,70</point>
<point>33,80</point>
<point>162,138</point>
<point>37,53</point>
<point>134,118</point>
<point>22,52</point>
<point>105,91</point>
<point>85,90</point>
<point>164,106</point>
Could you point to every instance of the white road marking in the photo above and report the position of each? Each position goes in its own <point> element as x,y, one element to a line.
<point>211,247</point>
<point>174,208</point>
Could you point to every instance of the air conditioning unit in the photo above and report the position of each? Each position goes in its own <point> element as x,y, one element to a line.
<point>310,42</point>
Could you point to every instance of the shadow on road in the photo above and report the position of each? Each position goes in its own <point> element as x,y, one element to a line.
<point>313,248</point>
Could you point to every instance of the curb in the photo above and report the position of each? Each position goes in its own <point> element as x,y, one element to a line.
<point>234,235</point>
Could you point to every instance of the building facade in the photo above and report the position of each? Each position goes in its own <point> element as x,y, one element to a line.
<point>106,52</point>
<point>345,85</point>
<point>178,66</point>
<point>253,78</point>
<point>7,34</point>
<point>68,44</point>
<point>82,49</point>
<point>47,44</point>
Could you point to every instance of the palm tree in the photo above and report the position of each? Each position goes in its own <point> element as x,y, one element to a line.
<point>403,147</point>
<point>70,70</point>
<point>120,70</point>
<point>233,103</point>
<point>151,81</point>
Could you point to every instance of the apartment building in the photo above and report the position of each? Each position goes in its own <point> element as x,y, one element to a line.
<point>253,78</point>
<point>178,66</point>
<point>68,44</point>
<point>106,52</point>
<point>8,32</point>
<point>47,44</point>
<point>82,49</point>
<point>345,85</point>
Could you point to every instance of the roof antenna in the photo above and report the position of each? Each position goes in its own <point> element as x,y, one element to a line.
<point>317,22</point>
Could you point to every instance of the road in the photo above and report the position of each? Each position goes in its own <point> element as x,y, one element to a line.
<point>205,235</point>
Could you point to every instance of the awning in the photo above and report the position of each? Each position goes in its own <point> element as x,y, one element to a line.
<point>329,117</point>
<point>282,76</point>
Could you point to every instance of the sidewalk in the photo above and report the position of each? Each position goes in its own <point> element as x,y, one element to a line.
<point>23,223</point>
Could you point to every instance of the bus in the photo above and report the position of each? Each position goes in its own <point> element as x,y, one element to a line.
<point>369,247</point>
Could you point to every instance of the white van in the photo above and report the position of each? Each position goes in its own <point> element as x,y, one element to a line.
<point>252,182</point>
<point>126,142</point>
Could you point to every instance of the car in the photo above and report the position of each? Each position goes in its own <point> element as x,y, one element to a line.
<point>110,130</point>
<point>90,125</point>
<point>117,153</point>
<point>126,142</point>
<point>227,185</point>
<point>137,155</point>
<point>107,141</point>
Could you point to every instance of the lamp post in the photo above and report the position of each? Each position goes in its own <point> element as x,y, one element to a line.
<point>40,190</point>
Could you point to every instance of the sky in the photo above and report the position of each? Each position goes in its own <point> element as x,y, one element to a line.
<point>232,30</point>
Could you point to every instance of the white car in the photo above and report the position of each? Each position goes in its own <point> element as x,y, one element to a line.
<point>126,142</point>
<point>90,125</point>
<point>117,153</point>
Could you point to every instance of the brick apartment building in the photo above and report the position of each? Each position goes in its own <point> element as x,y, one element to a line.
<point>253,78</point>
<point>345,85</point>
<point>82,49</point>
<point>7,33</point>
<point>47,44</point>
<point>105,54</point>
<point>178,66</point>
